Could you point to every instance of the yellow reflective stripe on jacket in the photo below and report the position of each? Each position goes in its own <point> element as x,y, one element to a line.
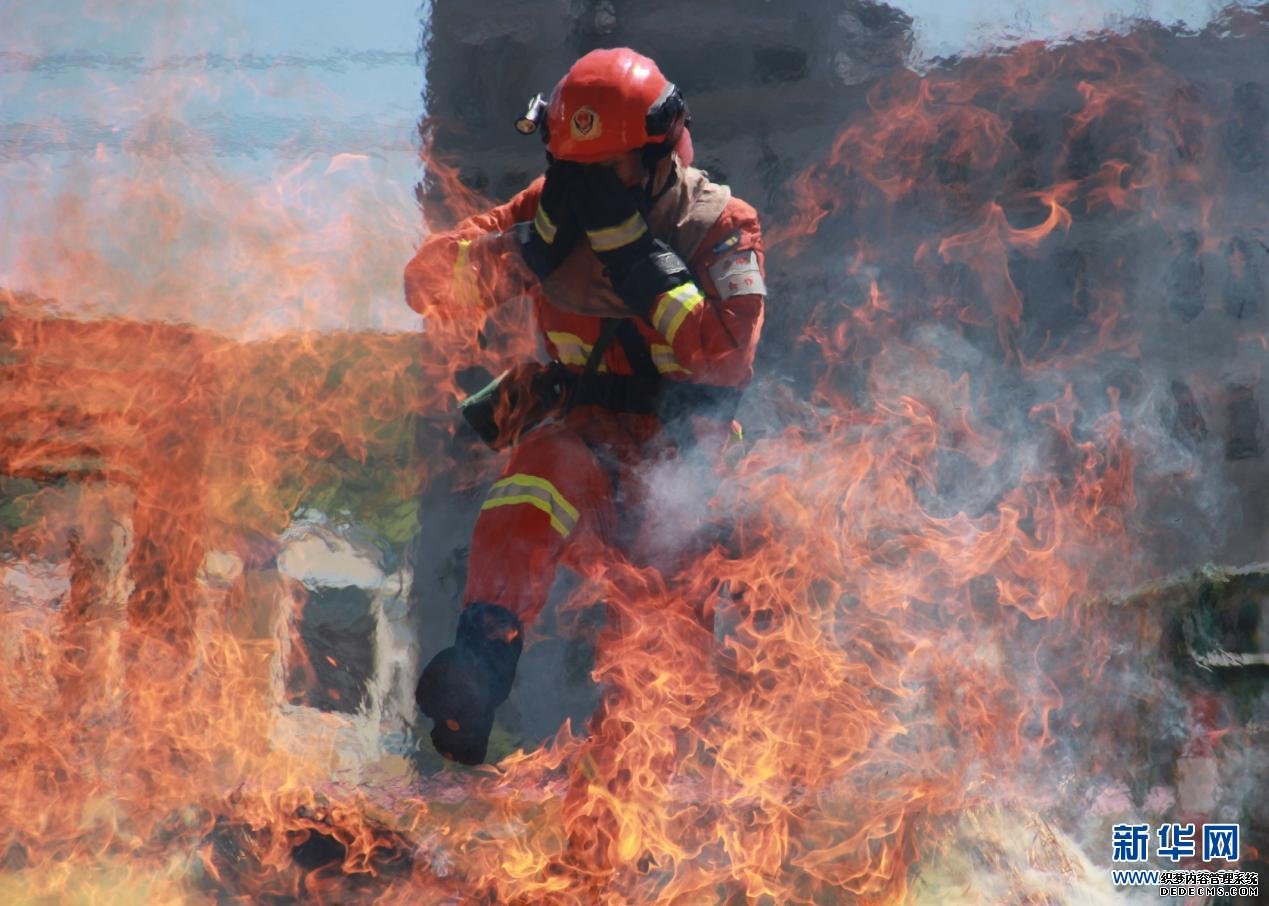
<point>464,287</point>
<point>571,349</point>
<point>663,358</point>
<point>542,223</point>
<point>535,492</point>
<point>673,306</point>
<point>615,237</point>
<point>460,262</point>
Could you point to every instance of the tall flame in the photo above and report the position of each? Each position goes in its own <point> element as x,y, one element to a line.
<point>898,639</point>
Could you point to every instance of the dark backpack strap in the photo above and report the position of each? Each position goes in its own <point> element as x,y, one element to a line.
<point>636,349</point>
<point>607,331</point>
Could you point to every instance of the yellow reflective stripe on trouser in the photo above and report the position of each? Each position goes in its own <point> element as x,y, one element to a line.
<point>535,492</point>
<point>663,358</point>
<point>571,349</point>
<point>615,237</point>
<point>542,223</point>
<point>673,306</point>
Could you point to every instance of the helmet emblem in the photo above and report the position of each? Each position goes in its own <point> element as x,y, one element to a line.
<point>585,124</point>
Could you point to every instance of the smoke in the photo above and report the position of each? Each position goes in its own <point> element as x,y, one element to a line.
<point>1009,373</point>
<point>1008,305</point>
<point>1011,384</point>
<point>171,174</point>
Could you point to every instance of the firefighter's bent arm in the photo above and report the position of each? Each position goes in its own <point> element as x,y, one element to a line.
<point>712,324</point>
<point>474,265</point>
<point>713,318</point>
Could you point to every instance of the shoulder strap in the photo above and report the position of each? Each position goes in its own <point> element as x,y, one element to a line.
<point>607,330</point>
<point>637,352</point>
<point>636,348</point>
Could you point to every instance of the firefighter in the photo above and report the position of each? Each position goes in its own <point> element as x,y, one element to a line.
<point>647,281</point>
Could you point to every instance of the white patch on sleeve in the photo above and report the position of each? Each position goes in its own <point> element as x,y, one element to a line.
<point>737,274</point>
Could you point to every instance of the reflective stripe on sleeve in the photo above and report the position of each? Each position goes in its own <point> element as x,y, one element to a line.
<point>464,286</point>
<point>535,492</point>
<point>663,358</point>
<point>673,306</point>
<point>460,262</point>
<point>542,223</point>
<point>615,237</point>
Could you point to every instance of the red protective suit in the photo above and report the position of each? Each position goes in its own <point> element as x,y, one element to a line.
<point>558,489</point>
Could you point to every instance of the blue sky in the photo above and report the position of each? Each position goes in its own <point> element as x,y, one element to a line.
<point>249,168</point>
<point>249,165</point>
<point>247,73</point>
<point>945,27</point>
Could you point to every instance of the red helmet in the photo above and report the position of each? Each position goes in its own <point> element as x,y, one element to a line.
<point>611,102</point>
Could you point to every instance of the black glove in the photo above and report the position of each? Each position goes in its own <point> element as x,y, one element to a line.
<point>639,266</point>
<point>610,215</point>
<point>515,401</point>
<point>462,685</point>
<point>546,240</point>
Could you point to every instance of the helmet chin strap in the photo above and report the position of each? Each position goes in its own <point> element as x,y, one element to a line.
<point>651,194</point>
<point>654,154</point>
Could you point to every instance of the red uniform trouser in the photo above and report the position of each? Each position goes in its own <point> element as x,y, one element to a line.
<point>553,495</point>
<point>557,498</point>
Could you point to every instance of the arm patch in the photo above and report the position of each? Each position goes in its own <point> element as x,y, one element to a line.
<point>737,274</point>
<point>730,241</point>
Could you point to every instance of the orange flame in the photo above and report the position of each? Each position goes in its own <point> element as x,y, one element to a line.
<point>804,713</point>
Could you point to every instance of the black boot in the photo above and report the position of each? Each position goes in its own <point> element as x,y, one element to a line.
<point>464,683</point>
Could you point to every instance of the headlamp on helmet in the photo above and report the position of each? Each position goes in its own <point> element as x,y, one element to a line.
<point>534,117</point>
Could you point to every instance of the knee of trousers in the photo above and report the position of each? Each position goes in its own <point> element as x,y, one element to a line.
<point>553,493</point>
